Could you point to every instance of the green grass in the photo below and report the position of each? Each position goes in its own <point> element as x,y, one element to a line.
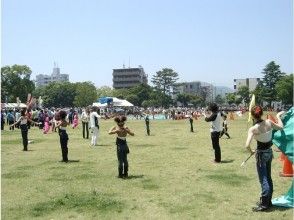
<point>171,176</point>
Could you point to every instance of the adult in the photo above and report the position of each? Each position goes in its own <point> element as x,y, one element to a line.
<point>121,143</point>
<point>214,116</point>
<point>94,123</point>
<point>261,131</point>
<point>10,119</point>
<point>23,120</point>
<point>85,117</point>
<point>61,125</point>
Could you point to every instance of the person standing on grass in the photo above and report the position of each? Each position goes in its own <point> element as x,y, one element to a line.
<point>2,120</point>
<point>85,117</point>
<point>215,118</point>
<point>75,122</point>
<point>261,131</point>
<point>121,144</point>
<point>191,123</point>
<point>94,122</point>
<point>10,119</point>
<point>147,125</point>
<point>225,127</point>
<point>61,125</point>
<point>23,120</point>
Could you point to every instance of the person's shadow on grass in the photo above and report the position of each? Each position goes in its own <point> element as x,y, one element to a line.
<point>135,176</point>
<point>227,161</point>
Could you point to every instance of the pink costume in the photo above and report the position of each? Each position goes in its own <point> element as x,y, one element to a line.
<point>75,121</point>
<point>46,126</point>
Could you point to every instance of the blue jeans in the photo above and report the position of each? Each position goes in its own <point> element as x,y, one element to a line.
<point>263,165</point>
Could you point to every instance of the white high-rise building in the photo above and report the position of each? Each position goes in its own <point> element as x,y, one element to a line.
<point>251,83</point>
<point>43,80</point>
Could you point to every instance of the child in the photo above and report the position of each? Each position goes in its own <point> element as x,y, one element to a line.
<point>46,125</point>
<point>62,124</point>
<point>75,120</point>
<point>121,143</point>
<point>225,127</point>
<point>23,120</point>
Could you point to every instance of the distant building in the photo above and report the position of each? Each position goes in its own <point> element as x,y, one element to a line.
<point>43,80</point>
<point>128,77</point>
<point>197,88</point>
<point>250,82</point>
<point>222,91</point>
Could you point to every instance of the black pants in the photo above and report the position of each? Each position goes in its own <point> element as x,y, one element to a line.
<point>2,125</point>
<point>85,128</point>
<point>215,144</point>
<point>191,127</point>
<point>24,134</point>
<point>10,123</point>
<point>63,143</point>
<point>148,129</point>
<point>122,151</point>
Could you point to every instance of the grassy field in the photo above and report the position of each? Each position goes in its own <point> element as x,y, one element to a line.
<point>171,176</point>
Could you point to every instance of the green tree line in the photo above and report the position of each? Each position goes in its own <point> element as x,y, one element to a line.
<point>16,82</point>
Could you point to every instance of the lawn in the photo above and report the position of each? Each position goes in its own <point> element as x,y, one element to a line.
<point>171,175</point>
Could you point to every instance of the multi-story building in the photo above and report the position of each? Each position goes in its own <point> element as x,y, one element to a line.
<point>202,89</point>
<point>251,83</point>
<point>128,77</point>
<point>43,80</point>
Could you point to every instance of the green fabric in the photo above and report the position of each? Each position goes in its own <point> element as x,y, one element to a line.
<point>286,200</point>
<point>283,139</point>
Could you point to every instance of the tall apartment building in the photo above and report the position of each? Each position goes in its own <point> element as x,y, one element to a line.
<point>56,76</point>
<point>128,77</point>
<point>250,82</point>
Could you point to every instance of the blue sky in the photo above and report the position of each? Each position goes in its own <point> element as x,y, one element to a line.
<point>208,40</point>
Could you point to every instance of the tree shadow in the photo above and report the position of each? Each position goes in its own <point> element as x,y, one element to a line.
<point>135,176</point>
<point>227,161</point>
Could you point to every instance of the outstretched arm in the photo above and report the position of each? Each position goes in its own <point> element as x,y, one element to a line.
<point>112,130</point>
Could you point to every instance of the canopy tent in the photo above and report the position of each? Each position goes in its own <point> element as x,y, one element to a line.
<point>13,105</point>
<point>102,102</point>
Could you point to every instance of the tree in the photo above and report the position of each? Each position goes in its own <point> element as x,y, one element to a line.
<point>104,91</point>
<point>197,101</point>
<point>243,92</point>
<point>230,97</point>
<point>86,94</point>
<point>272,75</point>
<point>184,99</point>
<point>59,94</point>
<point>219,100</point>
<point>284,88</point>
<point>15,82</point>
<point>142,92</point>
<point>164,82</point>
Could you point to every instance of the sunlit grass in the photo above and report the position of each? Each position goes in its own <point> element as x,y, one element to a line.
<point>171,175</point>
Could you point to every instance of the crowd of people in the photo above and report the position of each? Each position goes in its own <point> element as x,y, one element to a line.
<point>58,120</point>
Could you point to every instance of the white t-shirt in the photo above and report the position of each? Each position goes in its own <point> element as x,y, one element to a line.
<point>94,115</point>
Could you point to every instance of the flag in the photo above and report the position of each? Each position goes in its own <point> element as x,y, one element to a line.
<point>283,139</point>
<point>251,105</point>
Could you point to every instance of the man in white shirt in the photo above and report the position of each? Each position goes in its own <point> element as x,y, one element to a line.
<point>94,124</point>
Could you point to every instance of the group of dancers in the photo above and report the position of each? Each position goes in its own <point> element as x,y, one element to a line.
<point>261,131</point>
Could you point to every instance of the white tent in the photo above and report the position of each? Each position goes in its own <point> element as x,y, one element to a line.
<point>13,105</point>
<point>116,102</point>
